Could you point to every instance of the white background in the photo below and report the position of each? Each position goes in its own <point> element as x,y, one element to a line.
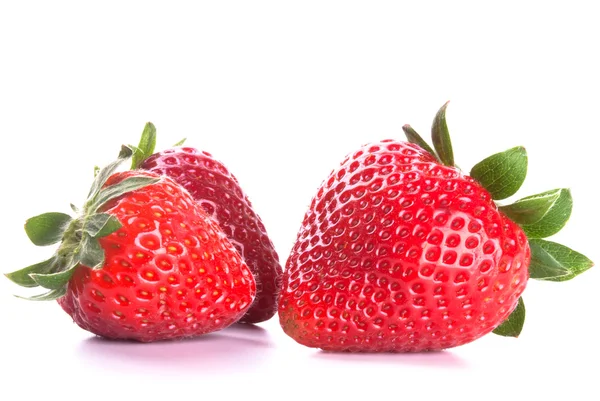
<point>280,92</point>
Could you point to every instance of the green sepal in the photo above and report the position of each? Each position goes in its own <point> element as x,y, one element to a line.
<point>101,224</point>
<point>146,146</point>
<point>90,253</point>
<point>513,325</point>
<point>107,171</point>
<point>555,262</point>
<point>502,174</point>
<point>80,244</point>
<point>531,209</point>
<point>127,185</point>
<point>48,296</point>
<point>180,143</point>
<point>554,219</point>
<point>54,281</point>
<point>441,137</point>
<point>414,137</point>
<point>47,228</point>
<point>22,277</point>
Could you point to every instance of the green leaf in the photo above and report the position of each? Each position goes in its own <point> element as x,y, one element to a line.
<point>101,224</point>
<point>180,143</point>
<point>531,209</point>
<point>127,185</point>
<point>502,174</point>
<point>54,281</point>
<point>146,146</point>
<point>555,262</point>
<point>49,296</point>
<point>22,278</point>
<point>90,253</point>
<point>441,137</point>
<point>414,137</point>
<point>96,171</point>
<point>74,208</point>
<point>47,228</point>
<point>555,218</point>
<point>512,326</point>
<point>106,172</point>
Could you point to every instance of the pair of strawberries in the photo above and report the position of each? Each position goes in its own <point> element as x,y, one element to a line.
<point>399,250</point>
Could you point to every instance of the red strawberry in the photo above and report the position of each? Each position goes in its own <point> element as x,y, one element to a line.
<point>143,262</point>
<point>401,251</point>
<point>219,193</point>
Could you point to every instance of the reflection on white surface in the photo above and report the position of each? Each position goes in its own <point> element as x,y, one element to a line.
<point>440,359</point>
<point>238,347</point>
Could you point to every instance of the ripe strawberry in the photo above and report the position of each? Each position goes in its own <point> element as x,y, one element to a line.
<point>401,251</point>
<point>219,193</point>
<point>143,262</point>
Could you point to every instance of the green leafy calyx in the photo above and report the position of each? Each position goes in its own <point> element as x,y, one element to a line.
<point>47,228</point>
<point>180,143</point>
<point>502,174</point>
<point>414,137</point>
<point>441,137</point>
<point>554,219</point>
<point>146,146</point>
<point>531,209</point>
<point>78,236</point>
<point>512,326</point>
<point>555,262</point>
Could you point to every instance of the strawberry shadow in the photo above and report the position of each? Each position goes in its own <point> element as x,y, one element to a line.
<point>236,348</point>
<point>441,359</point>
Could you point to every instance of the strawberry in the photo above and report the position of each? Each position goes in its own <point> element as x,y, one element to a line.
<point>402,251</point>
<point>217,190</point>
<point>142,261</point>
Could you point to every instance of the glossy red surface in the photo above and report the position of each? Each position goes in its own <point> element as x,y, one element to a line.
<point>170,272</point>
<point>219,193</point>
<point>399,253</point>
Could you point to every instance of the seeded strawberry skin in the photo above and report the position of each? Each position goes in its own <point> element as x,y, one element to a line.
<point>169,271</point>
<point>218,192</point>
<point>399,253</point>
